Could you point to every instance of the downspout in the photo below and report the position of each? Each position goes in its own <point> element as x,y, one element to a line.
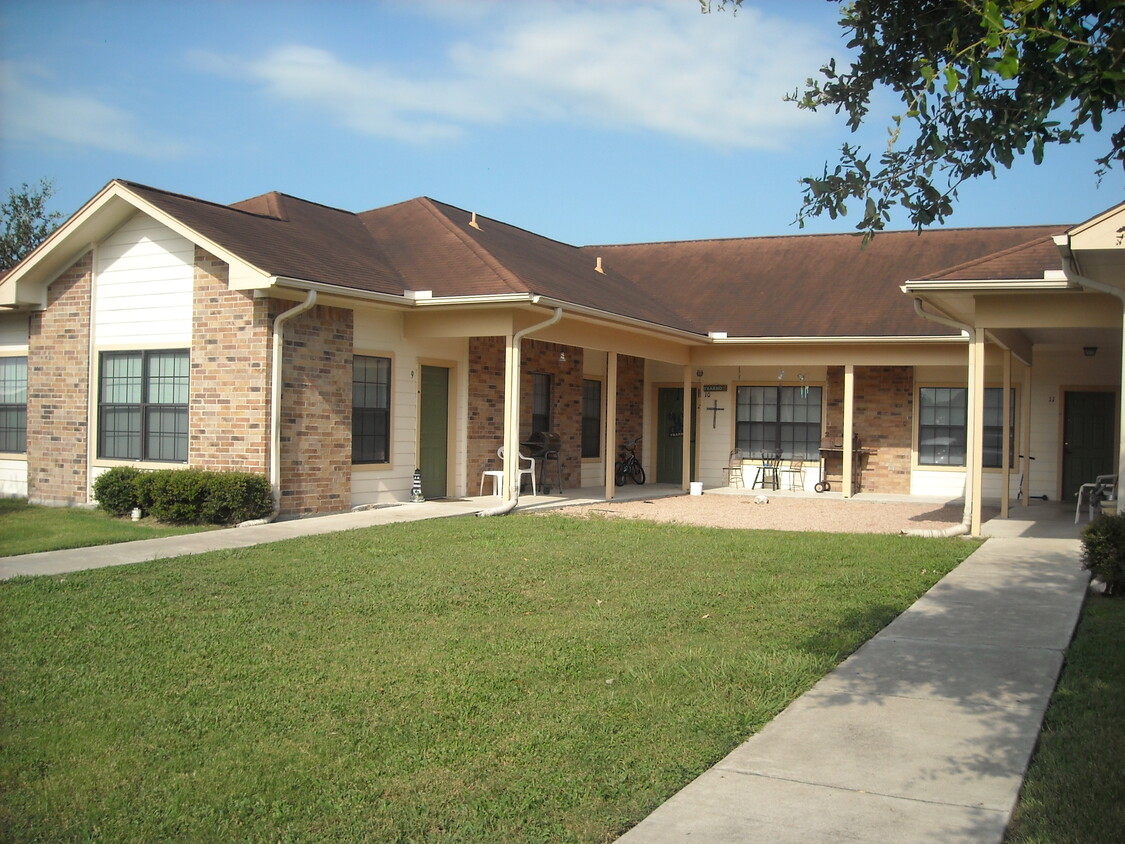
<point>1070,270</point>
<point>967,512</point>
<point>512,419</point>
<point>275,405</point>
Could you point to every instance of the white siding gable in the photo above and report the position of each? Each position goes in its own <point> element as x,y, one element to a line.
<point>13,332</point>
<point>143,289</point>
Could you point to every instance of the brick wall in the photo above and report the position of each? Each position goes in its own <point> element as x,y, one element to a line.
<point>486,401</point>
<point>316,411</point>
<point>485,405</point>
<point>229,410</point>
<point>884,401</point>
<point>630,401</point>
<point>58,386</point>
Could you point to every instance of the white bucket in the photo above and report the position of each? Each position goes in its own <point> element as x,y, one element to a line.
<point>696,487</point>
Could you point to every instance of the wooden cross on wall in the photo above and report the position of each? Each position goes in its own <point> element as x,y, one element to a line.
<point>714,410</point>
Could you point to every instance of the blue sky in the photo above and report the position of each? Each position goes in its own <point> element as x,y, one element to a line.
<point>599,121</point>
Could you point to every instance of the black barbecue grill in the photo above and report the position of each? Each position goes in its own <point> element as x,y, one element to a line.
<point>544,447</point>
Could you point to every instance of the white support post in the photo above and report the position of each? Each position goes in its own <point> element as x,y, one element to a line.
<point>689,412</point>
<point>1006,437</point>
<point>849,430</point>
<point>610,424</point>
<point>974,441</point>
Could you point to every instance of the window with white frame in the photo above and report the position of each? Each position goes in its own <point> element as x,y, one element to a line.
<point>143,405</point>
<point>785,419</point>
<point>13,404</point>
<point>371,409</point>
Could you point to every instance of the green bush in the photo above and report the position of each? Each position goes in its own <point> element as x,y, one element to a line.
<point>185,496</point>
<point>116,490</point>
<point>1103,551</point>
<point>237,497</point>
<point>178,495</point>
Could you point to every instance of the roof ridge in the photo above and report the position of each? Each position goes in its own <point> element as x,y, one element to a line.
<point>952,229</point>
<point>514,282</point>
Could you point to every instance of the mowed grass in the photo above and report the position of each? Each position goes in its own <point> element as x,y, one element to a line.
<point>531,678</point>
<point>1073,792</point>
<point>25,529</point>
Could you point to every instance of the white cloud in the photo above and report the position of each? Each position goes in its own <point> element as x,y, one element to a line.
<point>33,114</point>
<point>653,66</point>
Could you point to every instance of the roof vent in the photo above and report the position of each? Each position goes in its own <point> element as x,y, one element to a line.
<point>473,222</point>
<point>598,266</point>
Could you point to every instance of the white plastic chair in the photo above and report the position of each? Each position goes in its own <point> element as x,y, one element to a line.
<point>1102,489</point>
<point>498,475</point>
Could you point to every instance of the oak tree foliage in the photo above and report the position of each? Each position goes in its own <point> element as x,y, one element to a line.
<point>25,221</point>
<point>978,82</point>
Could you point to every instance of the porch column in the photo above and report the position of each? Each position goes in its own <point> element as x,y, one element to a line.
<point>1025,435</point>
<point>689,412</point>
<point>1005,436</point>
<point>849,428</point>
<point>1121,412</point>
<point>610,423</point>
<point>974,471</point>
<point>511,417</point>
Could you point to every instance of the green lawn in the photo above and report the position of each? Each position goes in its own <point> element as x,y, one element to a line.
<point>532,678</point>
<point>25,528</point>
<point>1073,793</point>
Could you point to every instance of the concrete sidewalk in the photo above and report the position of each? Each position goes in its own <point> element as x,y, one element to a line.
<point>102,556</point>
<point>923,735</point>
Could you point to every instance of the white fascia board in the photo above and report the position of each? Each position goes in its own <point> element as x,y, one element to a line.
<point>992,285</point>
<point>834,341</point>
<point>303,285</point>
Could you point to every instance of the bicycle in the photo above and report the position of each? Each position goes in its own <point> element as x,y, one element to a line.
<point>627,465</point>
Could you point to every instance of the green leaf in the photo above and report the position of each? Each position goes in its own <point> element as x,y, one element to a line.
<point>1009,65</point>
<point>952,80</point>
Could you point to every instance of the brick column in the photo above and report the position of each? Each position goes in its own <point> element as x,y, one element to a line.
<point>58,395</point>
<point>316,411</point>
<point>231,345</point>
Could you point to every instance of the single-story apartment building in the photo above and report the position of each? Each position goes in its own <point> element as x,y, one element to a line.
<point>338,352</point>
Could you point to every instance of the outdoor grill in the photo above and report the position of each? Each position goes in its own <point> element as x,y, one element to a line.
<point>544,447</point>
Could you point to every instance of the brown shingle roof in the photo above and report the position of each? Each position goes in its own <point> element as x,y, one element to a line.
<point>790,286</point>
<point>806,285</point>
<point>1027,260</point>
<point>434,247</point>
<point>286,236</point>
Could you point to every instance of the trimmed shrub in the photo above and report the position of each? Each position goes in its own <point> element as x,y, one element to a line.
<point>116,490</point>
<point>185,496</point>
<point>178,495</point>
<point>1103,551</point>
<point>237,497</point>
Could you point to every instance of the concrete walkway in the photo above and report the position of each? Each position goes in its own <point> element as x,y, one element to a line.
<point>101,556</point>
<point>924,734</point>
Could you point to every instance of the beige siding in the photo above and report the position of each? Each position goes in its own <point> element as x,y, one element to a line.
<point>381,334</point>
<point>143,292</point>
<point>13,478</point>
<point>13,332</point>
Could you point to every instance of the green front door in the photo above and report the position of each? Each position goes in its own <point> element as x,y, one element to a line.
<point>433,431</point>
<point>670,435</point>
<point>1089,449</point>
